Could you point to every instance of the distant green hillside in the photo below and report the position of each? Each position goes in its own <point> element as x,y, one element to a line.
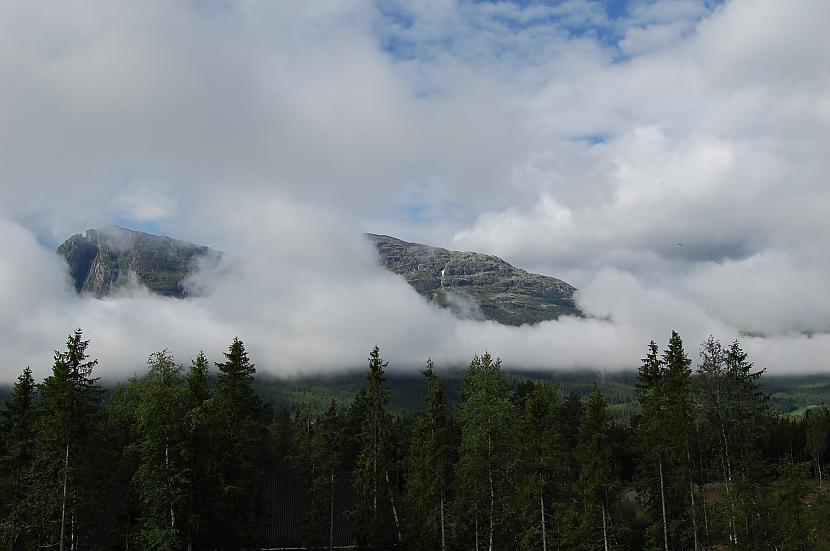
<point>789,394</point>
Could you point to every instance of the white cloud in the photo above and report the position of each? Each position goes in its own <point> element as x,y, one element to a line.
<point>677,175</point>
<point>145,204</point>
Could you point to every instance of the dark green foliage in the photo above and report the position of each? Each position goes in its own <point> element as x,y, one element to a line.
<point>429,485</point>
<point>817,436</point>
<point>17,443</point>
<point>542,465</point>
<point>61,498</point>
<point>733,420</point>
<point>325,469</point>
<point>664,432</point>
<point>597,477</point>
<point>238,447</point>
<point>375,519</point>
<point>486,505</point>
<point>175,460</point>
<point>162,476</point>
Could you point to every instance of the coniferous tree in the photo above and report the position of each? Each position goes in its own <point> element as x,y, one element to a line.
<point>66,417</point>
<point>375,519</point>
<point>597,479</point>
<point>541,460</point>
<point>16,449</point>
<point>664,434</point>
<point>281,430</point>
<point>735,415</point>
<point>325,470</point>
<point>430,468</point>
<point>677,424</point>
<point>817,421</point>
<point>162,475</point>
<point>486,471</point>
<point>200,427</point>
<point>198,380</point>
<point>239,448</point>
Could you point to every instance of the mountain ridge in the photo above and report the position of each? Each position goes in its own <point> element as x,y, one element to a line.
<point>464,280</point>
<point>104,260</point>
<point>472,285</point>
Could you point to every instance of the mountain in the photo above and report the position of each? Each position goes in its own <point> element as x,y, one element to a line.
<point>472,285</point>
<point>477,285</point>
<point>101,261</point>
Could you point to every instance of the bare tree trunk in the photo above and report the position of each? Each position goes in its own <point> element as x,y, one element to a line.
<point>728,474</point>
<point>476,530</point>
<point>443,532</point>
<point>63,503</point>
<point>705,518</point>
<point>820,477</point>
<point>394,509</point>
<point>331,513</point>
<point>733,526</point>
<point>692,496</point>
<point>694,516</point>
<point>604,529</point>
<point>663,503</point>
<point>169,489</point>
<point>492,492</point>
<point>375,477</point>
<point>544,531</point>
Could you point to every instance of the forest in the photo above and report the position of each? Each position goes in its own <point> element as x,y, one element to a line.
<point>192,457</point>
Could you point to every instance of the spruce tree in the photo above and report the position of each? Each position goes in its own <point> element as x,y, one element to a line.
<point>375,519</point>
<point>200,426</point>
<point>486,472</point>
<point>818,428</point>
<point>198,380</point>
<point>16,449</point>
<point>734,413</point>
<point>66,418</point>
<point>161,478</point>
<point>239,448</point>
<point>428,488</point>
<point>664,432</point>
<point>325,471</point>
<point>597,479</point>
<point>542,464</point>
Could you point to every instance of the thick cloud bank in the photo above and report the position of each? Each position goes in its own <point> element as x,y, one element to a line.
<point>668,158</point>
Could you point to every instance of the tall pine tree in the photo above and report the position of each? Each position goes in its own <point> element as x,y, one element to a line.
<point>597,479</point>
<point>162,475</point>
<point>16,449</point>
<point>486,472</point>
<point>66,421</point>
<point>542,464</point>
<point>239,448</point>
<point>430,468</point>
<point>375,519</point>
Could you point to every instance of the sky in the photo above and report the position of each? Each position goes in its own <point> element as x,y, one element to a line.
<point>668,158</point>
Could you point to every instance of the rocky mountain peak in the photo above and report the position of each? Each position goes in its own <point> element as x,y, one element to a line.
<point>105,259</point>
<point>476,285</point>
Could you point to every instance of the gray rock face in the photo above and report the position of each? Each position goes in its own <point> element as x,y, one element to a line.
<point>101,261</point>
<point>470,284</point>
<point>477,285</point>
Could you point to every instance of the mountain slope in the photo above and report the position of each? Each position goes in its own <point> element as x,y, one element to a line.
<point>477,285</point>
<point>103,260</point>
<point>472,285</point>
